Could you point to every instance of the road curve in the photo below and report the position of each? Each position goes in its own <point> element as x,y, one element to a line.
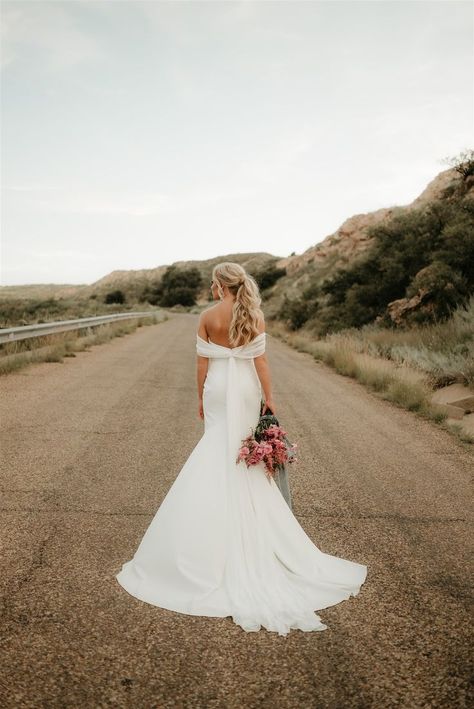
<point>90,448</point>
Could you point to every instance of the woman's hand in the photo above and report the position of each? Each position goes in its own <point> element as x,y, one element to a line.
<point>201,409</point>
<point>269,404</point>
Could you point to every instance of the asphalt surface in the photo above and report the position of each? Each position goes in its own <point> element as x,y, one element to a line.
<point>90,448</point>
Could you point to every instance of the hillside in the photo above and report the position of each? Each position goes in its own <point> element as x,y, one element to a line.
<point>303,296</point>
<point>131,281</point>
<point>348,243</point>
<point>351,238</point>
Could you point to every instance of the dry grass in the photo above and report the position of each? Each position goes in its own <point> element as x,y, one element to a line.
<point>55,347</point>
<point>402,367</point>
<point>398,383</point>
<point>443,351</point>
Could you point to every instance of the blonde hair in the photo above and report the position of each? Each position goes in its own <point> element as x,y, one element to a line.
<point>246,311</point>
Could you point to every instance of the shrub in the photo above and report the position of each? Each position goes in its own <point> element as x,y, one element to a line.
<point>177,287</point>
<point>294,312</point>
<point>463,163</point>
<point>268,276</point>
<point>299,310</point>
<point>433,245</point>
<point>114,296</point>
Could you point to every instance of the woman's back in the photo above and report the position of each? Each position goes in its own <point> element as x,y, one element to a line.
<point>218,320</point>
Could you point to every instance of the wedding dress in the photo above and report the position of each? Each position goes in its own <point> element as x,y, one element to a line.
<point>224,541</point>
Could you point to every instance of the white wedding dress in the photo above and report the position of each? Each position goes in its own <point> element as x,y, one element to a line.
<point>224,541</point>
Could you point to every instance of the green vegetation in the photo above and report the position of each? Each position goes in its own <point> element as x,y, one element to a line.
<point>177,287</point>
<point>174,287</point>
<point>115,296</point>
<point>462,163</point>
<point>427,252</point>
<point>401,364</point>
<point>268,276</point>
<point>426,255</point>
<point>404,366</point>
<point>400,318</point>
<point>443,352</point>
<point>15,312</point>
<point>296,311</point>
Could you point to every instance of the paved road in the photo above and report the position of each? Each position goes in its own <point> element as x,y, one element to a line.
<point>91,446</point>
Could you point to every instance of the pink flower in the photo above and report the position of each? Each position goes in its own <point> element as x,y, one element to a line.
<point>273,449</point>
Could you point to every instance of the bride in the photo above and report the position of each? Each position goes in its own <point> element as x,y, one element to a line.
<point>224,542</point>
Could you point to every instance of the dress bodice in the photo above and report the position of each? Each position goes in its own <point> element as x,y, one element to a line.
<point>235,415</point>
<point>254,348</point>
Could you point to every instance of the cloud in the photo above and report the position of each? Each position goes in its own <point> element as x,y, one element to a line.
<point>186,21</point>
<point>55,200</point>
<point>274,163</point>
<point>28,188</point>
<point>49,32</point>
<point>63,201</point>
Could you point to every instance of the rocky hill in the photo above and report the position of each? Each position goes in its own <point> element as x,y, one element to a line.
<point>351,238</point>
<point>347,243</point>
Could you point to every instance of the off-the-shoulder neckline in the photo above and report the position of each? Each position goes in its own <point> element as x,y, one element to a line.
<point>216,344</point>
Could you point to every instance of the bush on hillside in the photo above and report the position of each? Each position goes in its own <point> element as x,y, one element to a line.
<point>463,163</point>
<point>294,312</point>
<point>177,287</point>
<point>440,235</point>
<point>114,296</point>
<point>15,312</point>
<point>268,276</point>
<point>297,311</point>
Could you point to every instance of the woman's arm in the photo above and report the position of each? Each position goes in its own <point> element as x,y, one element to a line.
<point>202,364</point>
<point>263,370</point>
<point>201,372</point>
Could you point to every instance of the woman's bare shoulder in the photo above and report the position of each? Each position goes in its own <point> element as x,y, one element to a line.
<point>207,313</point>
<point>207,318</point>
<point>211,313</point>
<point>261,323</point>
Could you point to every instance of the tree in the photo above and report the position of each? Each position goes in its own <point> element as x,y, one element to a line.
<point>268,276</point>
<point>440,233</point>
<point>463,163</point>
<point>177,287</point>
<point>299,310</point>
<point>294,312</point>
<point>115,296</point>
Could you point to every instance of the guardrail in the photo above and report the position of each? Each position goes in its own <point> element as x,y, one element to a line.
<point>24,332</point>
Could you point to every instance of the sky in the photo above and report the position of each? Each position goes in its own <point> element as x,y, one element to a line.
<point>135,134</point>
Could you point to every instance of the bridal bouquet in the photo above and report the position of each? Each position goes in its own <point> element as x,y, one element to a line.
<point>268,443</point>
